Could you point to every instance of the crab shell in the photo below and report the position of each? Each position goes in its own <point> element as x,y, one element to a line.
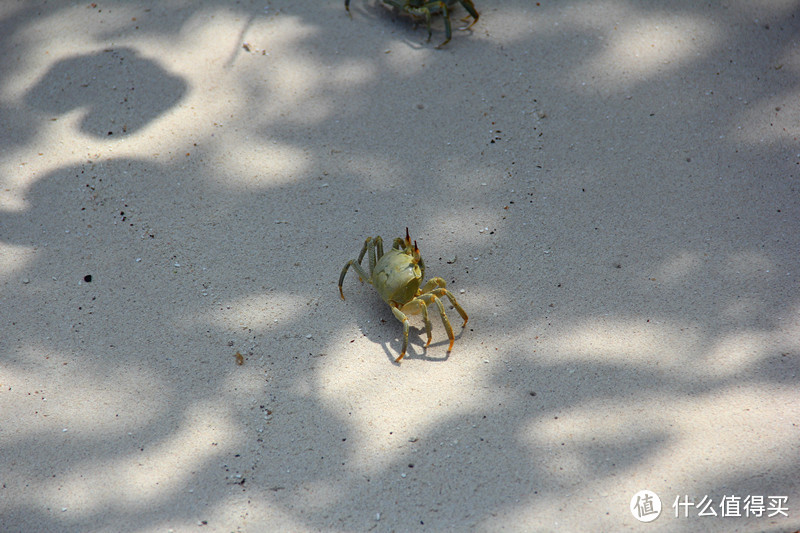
<point>398,276</point>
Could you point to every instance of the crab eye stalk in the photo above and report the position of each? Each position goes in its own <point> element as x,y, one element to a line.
<point>408,238</point>
<point>416,252</point>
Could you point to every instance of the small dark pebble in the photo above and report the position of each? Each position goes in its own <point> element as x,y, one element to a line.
<point>87,278</point>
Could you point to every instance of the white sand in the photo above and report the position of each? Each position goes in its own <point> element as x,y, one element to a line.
<point>613,185</point>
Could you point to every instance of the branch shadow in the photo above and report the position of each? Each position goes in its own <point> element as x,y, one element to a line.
<point>182,271</point>
<point>119,91</point>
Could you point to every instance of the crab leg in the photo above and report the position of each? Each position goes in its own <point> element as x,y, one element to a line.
<point>433,283</point>
<point>371,244</point>
<point>431,8</point>
<point>444,292</point>
<point>424,309</point>
<point>379,246</point>
<point>448,33</point>
<point>356,264</point>
<point>437,286</point>
<point>358,268</point>
<point>419,306</point>
<point>404,319</point>
<point>430,298</point>
<point>364,249</point>
<point>470,7</point>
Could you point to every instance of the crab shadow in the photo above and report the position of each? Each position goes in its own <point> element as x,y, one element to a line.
<point>436,351</point>
<point>376,322</point>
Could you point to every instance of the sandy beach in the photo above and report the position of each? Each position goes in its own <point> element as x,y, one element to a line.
<point>610,188</point>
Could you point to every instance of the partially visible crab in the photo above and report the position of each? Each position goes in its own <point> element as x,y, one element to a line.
<point>426,8</point>
<point>397,276</point>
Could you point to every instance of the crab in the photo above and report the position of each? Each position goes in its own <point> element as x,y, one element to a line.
<point>425,8</point>
<point>397,276</point>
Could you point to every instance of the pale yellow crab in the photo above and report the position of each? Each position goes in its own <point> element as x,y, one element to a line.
<point>397,276</point>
